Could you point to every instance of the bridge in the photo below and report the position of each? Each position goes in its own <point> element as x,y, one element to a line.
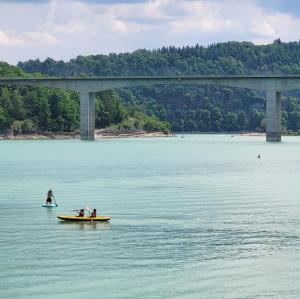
<point>87,87</point>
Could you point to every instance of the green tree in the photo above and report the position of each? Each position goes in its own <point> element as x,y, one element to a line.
<point>241,120</point>
<point>255,119</point>
<point>230,121</point>
<point>294,120</point>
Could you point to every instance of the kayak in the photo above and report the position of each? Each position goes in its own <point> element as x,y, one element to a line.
<point>47,205</point>
<point>87,218</point>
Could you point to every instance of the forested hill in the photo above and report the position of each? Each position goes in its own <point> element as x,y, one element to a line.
<point>9,71</point>
<point>194,108</point>
<point>188,108</point>
<point>38,110</point>
<point>223,58</point>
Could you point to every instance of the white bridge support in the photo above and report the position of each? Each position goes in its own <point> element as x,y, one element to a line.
<point>87,115</point>
<point>273,107</point>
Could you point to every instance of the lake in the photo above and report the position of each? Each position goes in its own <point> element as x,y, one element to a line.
<point>194,217</point>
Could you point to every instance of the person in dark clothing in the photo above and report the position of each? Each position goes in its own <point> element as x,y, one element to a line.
<point>81,213</point>
<point>49,197</point>
<point>94,213</point>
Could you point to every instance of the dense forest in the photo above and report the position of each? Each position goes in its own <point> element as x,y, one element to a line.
<point>31,110</point>
<point>188,108</point>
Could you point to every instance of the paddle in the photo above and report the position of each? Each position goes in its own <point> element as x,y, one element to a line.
<point>88,209</point>
<point>54,200</point>
<point>77,211</point>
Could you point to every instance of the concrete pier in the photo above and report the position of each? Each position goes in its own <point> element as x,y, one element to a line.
<point>87,115</point>
<point>273,107</point>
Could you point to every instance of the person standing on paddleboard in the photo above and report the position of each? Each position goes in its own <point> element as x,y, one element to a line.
<point>49,197</point>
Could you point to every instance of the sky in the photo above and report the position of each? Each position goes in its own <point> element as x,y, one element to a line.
<point>64,29</point>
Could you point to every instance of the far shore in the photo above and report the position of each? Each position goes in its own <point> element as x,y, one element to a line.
<point>242,133</point>
<point>99,134</point>
<point>108,133</point>
<point>111,134</point>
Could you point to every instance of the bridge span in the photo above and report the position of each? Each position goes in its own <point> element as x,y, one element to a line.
<point>273,85</point>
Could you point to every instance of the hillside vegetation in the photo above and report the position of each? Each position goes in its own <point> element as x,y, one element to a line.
<point>38,110</point>
<point>188,108</point>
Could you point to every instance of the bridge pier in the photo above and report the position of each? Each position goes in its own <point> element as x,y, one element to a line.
<point>273,107</point>
<point>87,115</point>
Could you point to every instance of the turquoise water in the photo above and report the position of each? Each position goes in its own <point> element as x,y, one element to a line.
<point>194,217</point>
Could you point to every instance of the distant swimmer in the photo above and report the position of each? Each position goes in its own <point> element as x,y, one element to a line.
<point>258,157</point>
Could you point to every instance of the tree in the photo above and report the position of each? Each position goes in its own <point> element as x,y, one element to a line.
<point>102,118</point>
<point>190,125</point>
<point>230,121</point>
<point>241,120</point>
<point>5,120</point>
<point>68,110</point>
<point>294,120</point>
<point>255,119</point>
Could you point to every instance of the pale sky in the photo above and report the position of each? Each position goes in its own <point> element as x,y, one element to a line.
<point>63,29</point>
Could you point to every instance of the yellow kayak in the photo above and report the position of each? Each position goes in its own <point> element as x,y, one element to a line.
<point>86,218</point>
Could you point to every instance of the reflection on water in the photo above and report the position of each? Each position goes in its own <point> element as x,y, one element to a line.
<point>86,225</point>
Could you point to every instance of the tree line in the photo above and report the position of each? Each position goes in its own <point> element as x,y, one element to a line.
<point>179,108</point>
<point>39,109</point>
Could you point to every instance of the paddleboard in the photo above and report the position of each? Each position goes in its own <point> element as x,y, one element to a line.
<point>52,205</point>
<point>87,218</point>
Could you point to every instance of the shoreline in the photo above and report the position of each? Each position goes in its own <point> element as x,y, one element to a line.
<point>108,134</point>
<point>99,134</point>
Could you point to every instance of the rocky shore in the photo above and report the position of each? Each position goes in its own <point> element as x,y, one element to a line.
<point>113,133</point>
<point>99,134</point>
<point>38,136</point>
<point>108,133</point>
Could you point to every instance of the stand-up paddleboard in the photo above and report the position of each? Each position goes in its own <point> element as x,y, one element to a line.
<point>47,205</point>
<point>86,218</point>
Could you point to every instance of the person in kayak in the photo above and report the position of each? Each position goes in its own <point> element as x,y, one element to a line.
<point>49,197</point>
<point>94,213</point>
<point>80,213</point>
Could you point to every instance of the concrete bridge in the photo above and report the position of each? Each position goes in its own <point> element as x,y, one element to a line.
<point>87,87</point>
